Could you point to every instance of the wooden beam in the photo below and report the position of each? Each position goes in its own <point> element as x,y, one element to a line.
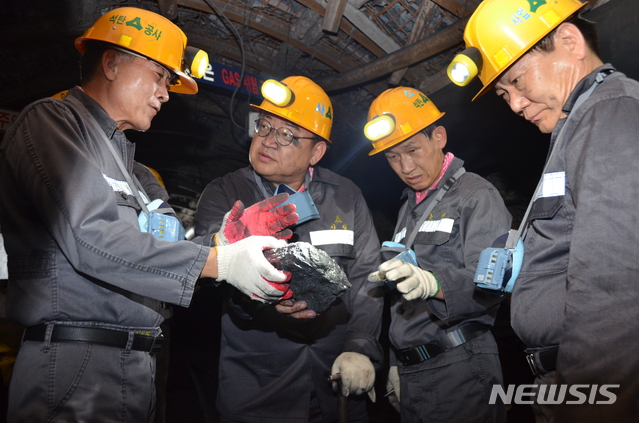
<point>231,51</point>
<point>459,8</point>
<point>424,15</point>
<point>434,83</point>
<point>406,56</point>
<point>168,9</point>
<point>350,29</point>
<point>363,25</point>
<point>272,27</point>
<point>357,3</point>
<point>333,15</point>
<point>371,30</point>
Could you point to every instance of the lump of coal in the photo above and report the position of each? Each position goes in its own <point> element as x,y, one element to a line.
<point>316,278</point>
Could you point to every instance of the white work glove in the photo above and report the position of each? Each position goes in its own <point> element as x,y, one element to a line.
<point>413,282</point>
<point>357,374</point>
<point>243,265</point>
<point>393,384</point>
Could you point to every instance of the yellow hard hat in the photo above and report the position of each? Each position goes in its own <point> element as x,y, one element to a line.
<point>301,101</point>
<point>396,115</point>
<point>501,31</point>
<point>149,34</point>
<point>61,95</point>
<point>157,176</point>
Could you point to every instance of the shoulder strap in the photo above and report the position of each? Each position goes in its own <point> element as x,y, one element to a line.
<point>513,236</point>
<point>91,120</point>
<point>433,202</point>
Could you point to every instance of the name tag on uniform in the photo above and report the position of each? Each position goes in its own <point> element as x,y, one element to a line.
<point>442,225</point>
<point>332,236</point>
<point>400,235</point>
<point>123,186</point>
<point>553,185</point>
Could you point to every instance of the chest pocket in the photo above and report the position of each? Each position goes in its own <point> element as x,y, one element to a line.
<point>125,200</point>
<point>546,207</point>
<point>431,238</point>
<point>341,253</point>
<point>435,232</point>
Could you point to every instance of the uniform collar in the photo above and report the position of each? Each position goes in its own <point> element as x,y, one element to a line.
<point>316,175</point>
<point>107,124</point>
<point>583,85</point>
<point>452,168</point>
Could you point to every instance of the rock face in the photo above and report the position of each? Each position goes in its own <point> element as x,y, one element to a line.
<point>316,278</point>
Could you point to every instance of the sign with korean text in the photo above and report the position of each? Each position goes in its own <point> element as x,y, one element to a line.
<point>228,77</point>
<point>7,117</point>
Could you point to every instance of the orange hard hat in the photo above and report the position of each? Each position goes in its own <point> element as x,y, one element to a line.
<point>396,115</point>
<point>148,34</point>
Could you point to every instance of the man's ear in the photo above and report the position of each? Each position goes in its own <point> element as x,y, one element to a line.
<point>440,136</point>
<point>110,61</point>
<point>570,38</point>
<point>318,152</point>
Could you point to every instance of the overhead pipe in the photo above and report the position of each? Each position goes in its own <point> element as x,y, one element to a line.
<point>402,58</point>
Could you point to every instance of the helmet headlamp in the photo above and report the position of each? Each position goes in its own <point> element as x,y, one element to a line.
<point>277,93</point>
<point>196,60</point>
<point>300,101</point>
<point>465,66</point>
<point>379,127</point>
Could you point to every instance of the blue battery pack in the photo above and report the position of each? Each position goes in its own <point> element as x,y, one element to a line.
<point>305,207</point>
<point>407,256</point>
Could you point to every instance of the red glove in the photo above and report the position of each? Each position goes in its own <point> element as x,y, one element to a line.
<point>261,219</point>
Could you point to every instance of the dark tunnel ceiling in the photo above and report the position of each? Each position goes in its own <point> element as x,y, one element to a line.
<point>193,139</point>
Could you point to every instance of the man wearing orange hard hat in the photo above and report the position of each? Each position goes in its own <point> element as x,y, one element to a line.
<point>574,303</point>
<point>444,359</point>
<point>275,360</point>
<point>92,256</point>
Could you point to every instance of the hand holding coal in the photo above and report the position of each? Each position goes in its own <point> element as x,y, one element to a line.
<point>316,278</point>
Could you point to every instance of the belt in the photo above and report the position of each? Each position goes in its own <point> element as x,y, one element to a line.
<point>93,335</point>
<point>542,362</point>
<point>450,340</point>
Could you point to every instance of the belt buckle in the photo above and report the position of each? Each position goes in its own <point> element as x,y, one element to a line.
<point>530,358</point>
<point>403,357</point>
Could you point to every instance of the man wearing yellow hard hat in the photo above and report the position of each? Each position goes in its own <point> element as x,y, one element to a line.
<point>444,360</point>
<point>575,302</point>
<point>274,366</point>
<point>85,279</point>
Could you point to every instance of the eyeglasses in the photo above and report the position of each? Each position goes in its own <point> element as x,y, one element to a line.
<point>173,78</point>
<point>283,135</point>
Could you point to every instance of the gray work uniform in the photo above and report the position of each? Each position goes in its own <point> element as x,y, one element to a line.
<point>578,284</point>
<point>77,256</point>
<point>274,368</point>
<point>454,386</point>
